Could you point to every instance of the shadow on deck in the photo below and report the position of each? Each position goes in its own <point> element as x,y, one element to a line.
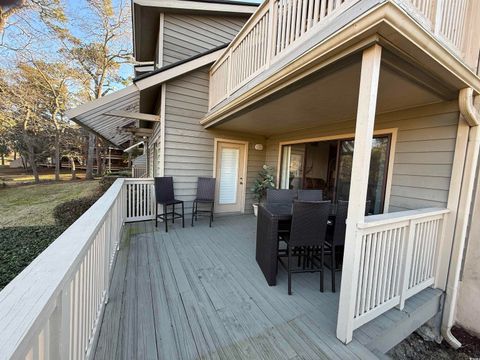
<point>199,293</point>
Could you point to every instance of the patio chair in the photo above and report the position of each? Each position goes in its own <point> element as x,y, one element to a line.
<point>205,196</point>
<point>309,226</point>
<point>310,195</point>
<point>336,237</point>
<point>281,195</point>
<point>165,196</point>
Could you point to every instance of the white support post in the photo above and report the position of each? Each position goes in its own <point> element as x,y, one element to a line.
<point>367,102</point>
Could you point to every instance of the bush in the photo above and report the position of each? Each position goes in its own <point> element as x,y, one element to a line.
<point>106,182</point>
<point>68,212</point>
<point>109,179</point>
<point>19,245</point>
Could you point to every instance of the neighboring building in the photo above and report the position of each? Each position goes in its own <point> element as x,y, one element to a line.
<point>225,87</point>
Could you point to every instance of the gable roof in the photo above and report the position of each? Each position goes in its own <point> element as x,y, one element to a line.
<point>146,18</point>
<point>103,116</point>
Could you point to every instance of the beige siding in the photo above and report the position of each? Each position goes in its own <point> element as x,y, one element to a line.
<point>189,149</point>
<point>423,155</point>
<point>188,35</point>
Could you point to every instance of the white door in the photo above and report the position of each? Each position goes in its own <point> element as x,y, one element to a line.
<point>230,189</point>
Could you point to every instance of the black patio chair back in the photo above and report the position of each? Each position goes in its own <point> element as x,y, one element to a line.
<point>206,188</point>
<point>310,195</point>
<point>309,223</point>
<point>338,237</point>
<point>281,195</point>
<point>164,189</point>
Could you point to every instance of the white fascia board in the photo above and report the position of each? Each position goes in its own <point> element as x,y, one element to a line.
<point>181,69</point>
<point>199,6</point>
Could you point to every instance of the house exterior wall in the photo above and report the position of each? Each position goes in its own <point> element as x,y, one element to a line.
<point>189,148</point>
<point>423,152</point>
<point>188,35</point>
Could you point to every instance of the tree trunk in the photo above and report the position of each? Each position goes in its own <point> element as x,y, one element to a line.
<point>90,156</point>
<point>33,163</point>
<point>3,159</point>
<point>74,170</point>
<point>14,155</point>
<point>57,156</point>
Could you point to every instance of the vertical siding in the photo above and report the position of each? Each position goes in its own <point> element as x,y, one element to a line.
<point>188,35</point>
<point>189,148</point>
<point>423,155</point>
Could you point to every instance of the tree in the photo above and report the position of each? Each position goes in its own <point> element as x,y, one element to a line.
<point>48,10</point>
<point>72,144</point>
<point>21,107</point>
<point>98,54</point>
<point>50,81</point>
<point>6,128</point>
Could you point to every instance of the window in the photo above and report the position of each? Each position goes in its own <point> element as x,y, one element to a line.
<point>327,166</point>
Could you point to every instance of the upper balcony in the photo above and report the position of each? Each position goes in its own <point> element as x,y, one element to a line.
<point>283,31</point>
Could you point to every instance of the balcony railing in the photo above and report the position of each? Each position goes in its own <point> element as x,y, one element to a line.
<point>278,25</point>
<point>53,308</point>
<point>397,259</point>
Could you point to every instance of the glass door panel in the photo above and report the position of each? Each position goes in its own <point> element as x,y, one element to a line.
<point>293,161</point>
<point>228,176</point>
<point>328,166</point>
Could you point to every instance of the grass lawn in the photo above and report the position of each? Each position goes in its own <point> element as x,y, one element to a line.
<point>27,225</point>
<point>12,177</point>
<point>31,205</point>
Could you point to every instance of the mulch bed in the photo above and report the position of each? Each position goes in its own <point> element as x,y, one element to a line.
<point>415,347</point>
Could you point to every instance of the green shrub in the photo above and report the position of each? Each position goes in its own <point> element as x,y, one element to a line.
<point>109,179</point>
<point>106,182</point>
<point>68,212</point>
<point>19,245</point>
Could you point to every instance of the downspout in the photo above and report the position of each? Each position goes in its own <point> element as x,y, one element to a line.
<point>468,111</point>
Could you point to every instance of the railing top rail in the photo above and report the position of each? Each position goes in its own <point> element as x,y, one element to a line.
<point>28,300</point>
<point>400,216</point>
<point>138,180</point>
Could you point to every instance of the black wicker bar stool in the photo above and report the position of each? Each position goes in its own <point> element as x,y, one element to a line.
<point>308,231</point>
<point>205,197</point>
<point>165,196</point>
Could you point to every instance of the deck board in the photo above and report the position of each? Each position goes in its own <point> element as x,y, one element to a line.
<point>198,293</point>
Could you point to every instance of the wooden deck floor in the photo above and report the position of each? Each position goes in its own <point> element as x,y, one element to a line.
<point>198,293</point>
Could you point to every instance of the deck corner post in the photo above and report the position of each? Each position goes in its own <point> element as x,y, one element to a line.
<point>367,102</point>
<point>406,263</point>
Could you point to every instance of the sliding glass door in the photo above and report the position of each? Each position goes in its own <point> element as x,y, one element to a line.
<point>327,165</point>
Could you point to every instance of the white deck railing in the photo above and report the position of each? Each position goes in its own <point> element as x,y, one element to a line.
<point>140,195</point>
<point>279,24</point>
<point>445,18</point>
<point>139,171</point>
<point>52,309</point>
<point>398,258</point>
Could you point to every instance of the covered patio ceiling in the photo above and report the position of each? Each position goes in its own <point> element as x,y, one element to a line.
<point>332,95</point>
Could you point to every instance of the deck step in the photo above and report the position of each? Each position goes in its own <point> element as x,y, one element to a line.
<point>395,325</point>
